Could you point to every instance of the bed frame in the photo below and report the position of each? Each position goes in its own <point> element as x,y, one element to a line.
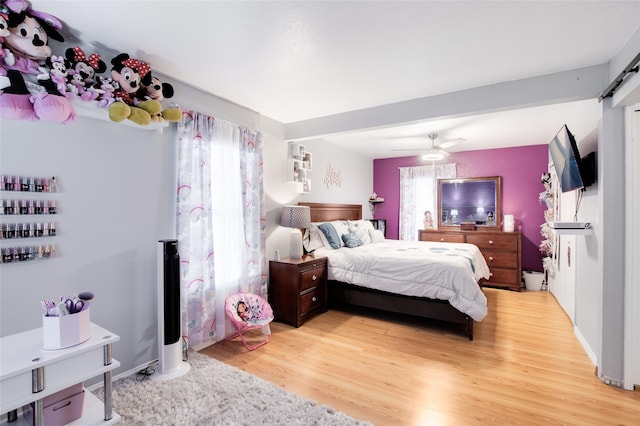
<point>340,293</point>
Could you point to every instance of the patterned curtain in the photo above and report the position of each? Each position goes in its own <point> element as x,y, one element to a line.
<point>220,221</point>
<point>418,194</point>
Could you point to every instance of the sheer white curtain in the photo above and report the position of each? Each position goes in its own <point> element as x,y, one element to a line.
<point>418,193</point>
<point>220,216</point>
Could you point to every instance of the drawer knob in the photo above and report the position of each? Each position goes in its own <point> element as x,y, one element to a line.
<point>491,258</point>
<point>441,239</point>
<point>491,242</point>
<point>314,299</point>
<point>313,277</point>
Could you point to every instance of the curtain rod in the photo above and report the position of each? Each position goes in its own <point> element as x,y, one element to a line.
<point>632,67</point>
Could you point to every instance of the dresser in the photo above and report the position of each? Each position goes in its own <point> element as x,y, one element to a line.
<point>298,288</point>
<point>502,251</point>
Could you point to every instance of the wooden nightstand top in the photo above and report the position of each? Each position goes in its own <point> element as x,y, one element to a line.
<point>306,258</point>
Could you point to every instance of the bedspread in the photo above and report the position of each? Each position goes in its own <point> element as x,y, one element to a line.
<point>446,271</point>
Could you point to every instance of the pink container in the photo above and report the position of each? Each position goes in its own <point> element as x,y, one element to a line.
<point>60,408</point>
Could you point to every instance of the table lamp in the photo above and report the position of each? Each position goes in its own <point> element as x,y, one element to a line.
<point>295,217</point>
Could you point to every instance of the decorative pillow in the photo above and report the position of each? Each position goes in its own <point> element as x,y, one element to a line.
<point>331,234</point>
<point>362,235</point>
<point>363,224</point>
<point>351,240</point>
<point>376,236</point>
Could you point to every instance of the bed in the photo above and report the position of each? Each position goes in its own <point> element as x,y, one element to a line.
<point>390,275</point>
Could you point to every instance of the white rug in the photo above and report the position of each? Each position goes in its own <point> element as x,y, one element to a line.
<point>213,393</point>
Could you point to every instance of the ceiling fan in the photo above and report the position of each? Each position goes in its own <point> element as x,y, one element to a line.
<point>435,151</point>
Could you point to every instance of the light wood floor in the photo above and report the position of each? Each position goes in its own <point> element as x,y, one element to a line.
<point>525,366</point>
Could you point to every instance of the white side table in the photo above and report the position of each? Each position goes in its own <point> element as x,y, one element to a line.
<point>29,373</point>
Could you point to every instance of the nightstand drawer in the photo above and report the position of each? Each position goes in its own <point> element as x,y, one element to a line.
<point>501,259</point>
<point>311,277</point>
<point>312,300</point>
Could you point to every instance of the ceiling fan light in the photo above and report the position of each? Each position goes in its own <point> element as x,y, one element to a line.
<point>434,155</point>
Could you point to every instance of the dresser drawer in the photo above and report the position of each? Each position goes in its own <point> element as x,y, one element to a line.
<point>312,300</point>
<point>504,276</point>
<point>442,237</point>
<point>494,241</point>
<point>311,277</point>
<point>501,259</point>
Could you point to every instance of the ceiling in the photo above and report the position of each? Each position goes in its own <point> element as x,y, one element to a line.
<point>295,61</point>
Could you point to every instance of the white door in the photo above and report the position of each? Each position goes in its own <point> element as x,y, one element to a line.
<point>632,250</point>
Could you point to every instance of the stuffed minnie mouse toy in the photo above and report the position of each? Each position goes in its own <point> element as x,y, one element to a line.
<point>29,34</point>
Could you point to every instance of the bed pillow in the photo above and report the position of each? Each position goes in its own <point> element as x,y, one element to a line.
<point>341,227</point>
<point>376,236</point>
<point>351,240</point>
<point>314,239</point>
<point>331,234</point>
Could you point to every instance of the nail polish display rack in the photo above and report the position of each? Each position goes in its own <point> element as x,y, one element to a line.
<point>12,228</point>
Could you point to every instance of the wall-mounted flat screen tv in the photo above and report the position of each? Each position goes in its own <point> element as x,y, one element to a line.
<point>572,173</point>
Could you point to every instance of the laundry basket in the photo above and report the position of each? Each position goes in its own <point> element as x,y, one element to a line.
<point>533,280</point>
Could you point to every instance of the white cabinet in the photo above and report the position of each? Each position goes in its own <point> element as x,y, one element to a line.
<point>29,373</point>
<point>299,164</point>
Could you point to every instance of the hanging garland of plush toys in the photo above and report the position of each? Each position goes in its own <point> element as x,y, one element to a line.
<point>36,84</point>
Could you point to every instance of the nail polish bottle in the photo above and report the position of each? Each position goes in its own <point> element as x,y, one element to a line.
<point>45,229</point>
<point>45,185</point>
<point>39,186</point>
<point>39,253</point>
<point>2,188</point>
<point>52,250</point>
<point>38,230</point>
<point>16,206</point>
<point>24,183</point>
<point>31,209</point>
<point>1,207</point>
<point>32,184</point>
<point>52,207</point>
<point>52,229</point>
<point>23,207</point>
<point>54,185</point>
<point>32,230</point>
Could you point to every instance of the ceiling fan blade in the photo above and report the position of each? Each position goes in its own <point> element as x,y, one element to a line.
<point>450,143</point>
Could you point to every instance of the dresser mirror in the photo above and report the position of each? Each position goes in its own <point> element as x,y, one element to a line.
<point>476,201</point>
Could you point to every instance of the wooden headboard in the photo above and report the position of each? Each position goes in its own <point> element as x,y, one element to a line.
<point>324,212</point>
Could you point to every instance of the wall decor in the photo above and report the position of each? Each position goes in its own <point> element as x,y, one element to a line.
<point>332,177</point>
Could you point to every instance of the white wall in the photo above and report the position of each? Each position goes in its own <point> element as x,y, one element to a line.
<point>117,200</point>
<point>339,176</point>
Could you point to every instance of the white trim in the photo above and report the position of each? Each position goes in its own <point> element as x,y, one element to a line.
<point>585,345</point>
<point>631,374</point>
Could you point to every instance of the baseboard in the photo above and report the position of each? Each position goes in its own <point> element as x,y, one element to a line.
<point>592,356</point>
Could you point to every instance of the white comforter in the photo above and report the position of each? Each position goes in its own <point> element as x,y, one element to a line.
<point>446,271</point>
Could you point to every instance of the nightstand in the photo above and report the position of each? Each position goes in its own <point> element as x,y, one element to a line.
<point>298,288</point>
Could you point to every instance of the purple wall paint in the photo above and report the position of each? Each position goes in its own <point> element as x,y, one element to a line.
<point>520,169</point>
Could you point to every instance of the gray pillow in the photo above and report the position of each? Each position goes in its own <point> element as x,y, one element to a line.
<point>351,240</point>
<point>331,234</point>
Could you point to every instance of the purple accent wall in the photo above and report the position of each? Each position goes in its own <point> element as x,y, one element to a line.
<point>520,168</point>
